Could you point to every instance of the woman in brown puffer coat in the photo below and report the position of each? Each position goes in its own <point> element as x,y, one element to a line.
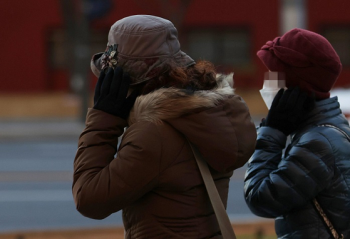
<point>153,176</point>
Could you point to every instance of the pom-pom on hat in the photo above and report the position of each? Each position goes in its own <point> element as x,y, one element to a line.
<point>307,58</point>
<point>142,45</point>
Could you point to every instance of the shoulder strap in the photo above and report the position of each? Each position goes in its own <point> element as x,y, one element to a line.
<point>335,127</point>
<point>329,224</point>
<point>219,209</point>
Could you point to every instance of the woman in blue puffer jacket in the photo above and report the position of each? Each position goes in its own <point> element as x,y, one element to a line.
<point>282,182</point>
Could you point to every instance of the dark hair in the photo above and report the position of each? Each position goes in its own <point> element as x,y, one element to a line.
<point>200,76</point>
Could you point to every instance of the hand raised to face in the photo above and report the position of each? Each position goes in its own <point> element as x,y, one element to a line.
<point>111,93</point>
<point>289,109</point>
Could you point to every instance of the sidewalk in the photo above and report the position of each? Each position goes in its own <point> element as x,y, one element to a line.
<point>32,116</point>
<point>66,106</point>
<point>251,229</point>
<point>58,114</point>
<point>58,105</point>
<point>39,106</point>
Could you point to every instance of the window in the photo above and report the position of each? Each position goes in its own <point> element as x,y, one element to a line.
<point>339,37</point>
<point>226,48</point>
<point>59,58</point>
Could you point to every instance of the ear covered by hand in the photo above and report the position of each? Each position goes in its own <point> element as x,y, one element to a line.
<point>111,93</point>
<point>289,109</point>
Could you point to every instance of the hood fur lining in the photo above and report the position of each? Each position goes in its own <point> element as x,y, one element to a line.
<point>168,103</point>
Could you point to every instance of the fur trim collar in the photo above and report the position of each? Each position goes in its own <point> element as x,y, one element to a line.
<point>168,103</point>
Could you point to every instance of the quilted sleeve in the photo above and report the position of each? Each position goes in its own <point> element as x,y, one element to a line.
<point>274,184</point>
<point>105,183</point>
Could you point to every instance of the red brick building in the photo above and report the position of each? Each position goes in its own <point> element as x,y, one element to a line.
<point>226,32</point>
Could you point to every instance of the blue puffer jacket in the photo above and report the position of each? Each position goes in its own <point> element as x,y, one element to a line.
<point>316,163</point>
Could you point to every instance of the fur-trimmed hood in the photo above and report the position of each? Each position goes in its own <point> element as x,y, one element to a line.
<point>217,121</point>
<point>169,103</point>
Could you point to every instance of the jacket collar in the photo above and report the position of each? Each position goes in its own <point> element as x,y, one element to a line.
<point>326,111</point>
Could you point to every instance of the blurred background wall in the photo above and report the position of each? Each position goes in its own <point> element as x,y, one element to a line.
<point>46,45</point>
<point>46,87</point>
<point>34,34</point>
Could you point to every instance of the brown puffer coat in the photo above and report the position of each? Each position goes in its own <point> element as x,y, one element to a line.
<point>154,177</point>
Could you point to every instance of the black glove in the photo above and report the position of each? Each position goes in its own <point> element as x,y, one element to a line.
<point>111,91</point>
<point>289,109</point>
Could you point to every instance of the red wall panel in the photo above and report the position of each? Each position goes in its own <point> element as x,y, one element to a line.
<point>23,35</point>
<point>23,48</point>
<point>323,13</point>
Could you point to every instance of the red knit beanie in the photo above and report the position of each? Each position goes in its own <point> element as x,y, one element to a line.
<point>307,58</point>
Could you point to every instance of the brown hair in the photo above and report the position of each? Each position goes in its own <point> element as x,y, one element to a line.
<point>200,76</point>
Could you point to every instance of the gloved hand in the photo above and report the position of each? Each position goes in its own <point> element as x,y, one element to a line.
<point>111,91</point>
<point>289,109</point>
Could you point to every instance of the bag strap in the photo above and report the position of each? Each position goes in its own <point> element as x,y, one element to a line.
<point>335,127</point>
<point>329,224</point>
<point>219,209</point>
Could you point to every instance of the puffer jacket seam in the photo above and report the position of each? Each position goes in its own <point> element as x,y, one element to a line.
<point>288,181</point>
<point>329,143</point>
<point>335,162</point>
<point>334,159</point>
<point>304,168</point>
<point>321,224</point>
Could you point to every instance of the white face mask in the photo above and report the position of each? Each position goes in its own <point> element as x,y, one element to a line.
<point>273,82</point>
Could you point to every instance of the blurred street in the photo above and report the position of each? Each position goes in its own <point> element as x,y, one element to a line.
<point>37,150</point>
<point>47,85</point>
<point>35,188</point>
<point>36,158</point>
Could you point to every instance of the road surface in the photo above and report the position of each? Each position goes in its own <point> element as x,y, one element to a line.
<point>36,178</point>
